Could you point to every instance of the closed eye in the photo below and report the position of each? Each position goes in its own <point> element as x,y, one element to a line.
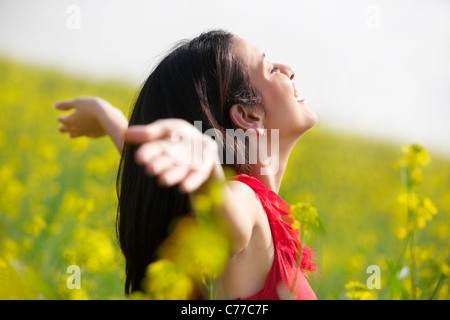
<point>275,69</point>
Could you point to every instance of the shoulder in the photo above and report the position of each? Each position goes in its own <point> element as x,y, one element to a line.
<point>242,191</point>
<point>245,196</point>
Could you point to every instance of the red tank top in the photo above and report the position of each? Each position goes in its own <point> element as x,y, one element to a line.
<point>285,279</point>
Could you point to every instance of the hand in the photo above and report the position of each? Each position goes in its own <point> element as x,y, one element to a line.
<point>84,121</point>
<point>173,162</point>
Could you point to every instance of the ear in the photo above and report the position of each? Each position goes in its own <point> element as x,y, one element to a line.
<point>246,118</point>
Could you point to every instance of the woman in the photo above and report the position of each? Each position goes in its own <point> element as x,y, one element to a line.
<point>226,83</point>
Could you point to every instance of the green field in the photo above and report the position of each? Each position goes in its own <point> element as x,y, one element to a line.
<point>58,202</point>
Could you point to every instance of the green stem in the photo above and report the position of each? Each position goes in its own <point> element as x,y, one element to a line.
<point>210,288</point>
<point>438,286</point>
<point>440,282</point>
<point>413,266</point>
<point>406,178</point>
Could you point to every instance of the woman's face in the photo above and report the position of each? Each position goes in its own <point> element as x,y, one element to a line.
<point>284,109</point>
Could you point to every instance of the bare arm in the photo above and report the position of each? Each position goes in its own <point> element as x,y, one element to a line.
<point>159,152</point>
<point>92,117</point>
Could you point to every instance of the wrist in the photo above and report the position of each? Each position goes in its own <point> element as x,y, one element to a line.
<point>102,108</point>
<point>108,115</point>
<point>112,121</point>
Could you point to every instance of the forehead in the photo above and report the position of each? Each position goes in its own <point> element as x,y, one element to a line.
<point>249,53</point>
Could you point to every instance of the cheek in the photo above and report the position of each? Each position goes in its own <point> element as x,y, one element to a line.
<point>278,97</point>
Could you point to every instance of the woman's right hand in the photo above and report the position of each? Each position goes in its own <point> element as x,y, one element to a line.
<point>189,162</point>
<point>172,162</point>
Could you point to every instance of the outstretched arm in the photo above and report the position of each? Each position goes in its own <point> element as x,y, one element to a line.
<point>173,163</point>
<point>92,117</point>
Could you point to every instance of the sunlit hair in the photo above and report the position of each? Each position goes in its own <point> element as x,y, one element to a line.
<point>200,80</point>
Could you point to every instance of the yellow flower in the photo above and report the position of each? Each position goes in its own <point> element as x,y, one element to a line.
<point>358,291</point>
<point>306,218</point>
<point>92,248</point>
<point>11,190</point>
<point>10,249</point>
<point>416,175</point>
<point>164,280</point>
<point>415,155</point>
<point>200,249</point>
<point>74,204</point>
<point>100,166</point>
<point>205,204</point>
<point>445,269</point>
<point>35,227</point>
<point>78,294</point>
<point>12,285</point>
<point>420,208</point>
<point>47,151</point>
<point>401,233</point>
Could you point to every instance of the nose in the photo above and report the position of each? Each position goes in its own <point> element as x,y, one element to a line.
<point>287,70</point>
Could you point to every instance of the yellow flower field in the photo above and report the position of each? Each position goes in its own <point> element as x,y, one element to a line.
<point>354,206</point>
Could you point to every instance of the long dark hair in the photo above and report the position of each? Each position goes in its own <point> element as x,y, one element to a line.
<point>199,80</point>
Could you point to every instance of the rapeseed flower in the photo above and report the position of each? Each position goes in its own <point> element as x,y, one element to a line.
<point>35,226</point>
<point>92,248</point>
<point>306,218</point>
<point>359,291</point>
<point>419,208</point>
<point>165,280</point>
<point>414,155</point>
<point>201,250</point>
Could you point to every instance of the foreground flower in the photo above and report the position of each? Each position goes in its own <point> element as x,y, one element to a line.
<point>200,249</point>
<point>164,280</point>
<point>358,291</point>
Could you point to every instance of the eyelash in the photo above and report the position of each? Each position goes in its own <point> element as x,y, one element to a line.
<point>275,69</point>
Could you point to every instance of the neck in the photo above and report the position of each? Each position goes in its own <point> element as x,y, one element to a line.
<point>271,174</point>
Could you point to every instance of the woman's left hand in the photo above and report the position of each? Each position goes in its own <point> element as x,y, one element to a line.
<point>92,117</point>
<point>84,121</point>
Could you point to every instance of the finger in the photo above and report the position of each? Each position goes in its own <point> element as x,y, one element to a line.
<point>150,150</point>
<point>174,175</point>
<point>143,133</point>
<point>159,129</point>
<point>63,129</point>
<point>158,165</point>
<point>66,119</point>
<point>71,129</point>
<point>193,181</point>
<point>197,177</point>
<point>64,105</point>
<point>74,134</point>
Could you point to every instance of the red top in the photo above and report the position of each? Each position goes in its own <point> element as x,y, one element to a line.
<point>284,274</point>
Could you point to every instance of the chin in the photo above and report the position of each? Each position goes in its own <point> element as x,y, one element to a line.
<point>301,121</point>
<point>313,119</point>
<point>309,119</point>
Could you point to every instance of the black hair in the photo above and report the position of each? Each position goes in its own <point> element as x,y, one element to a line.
<point>199,80</point>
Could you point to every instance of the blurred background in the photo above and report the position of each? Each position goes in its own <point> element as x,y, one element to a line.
<point>376,72</point>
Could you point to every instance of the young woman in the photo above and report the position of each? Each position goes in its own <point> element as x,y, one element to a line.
<point>226,83</point>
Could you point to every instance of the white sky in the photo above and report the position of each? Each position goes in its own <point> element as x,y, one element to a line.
<point>377,67</point>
